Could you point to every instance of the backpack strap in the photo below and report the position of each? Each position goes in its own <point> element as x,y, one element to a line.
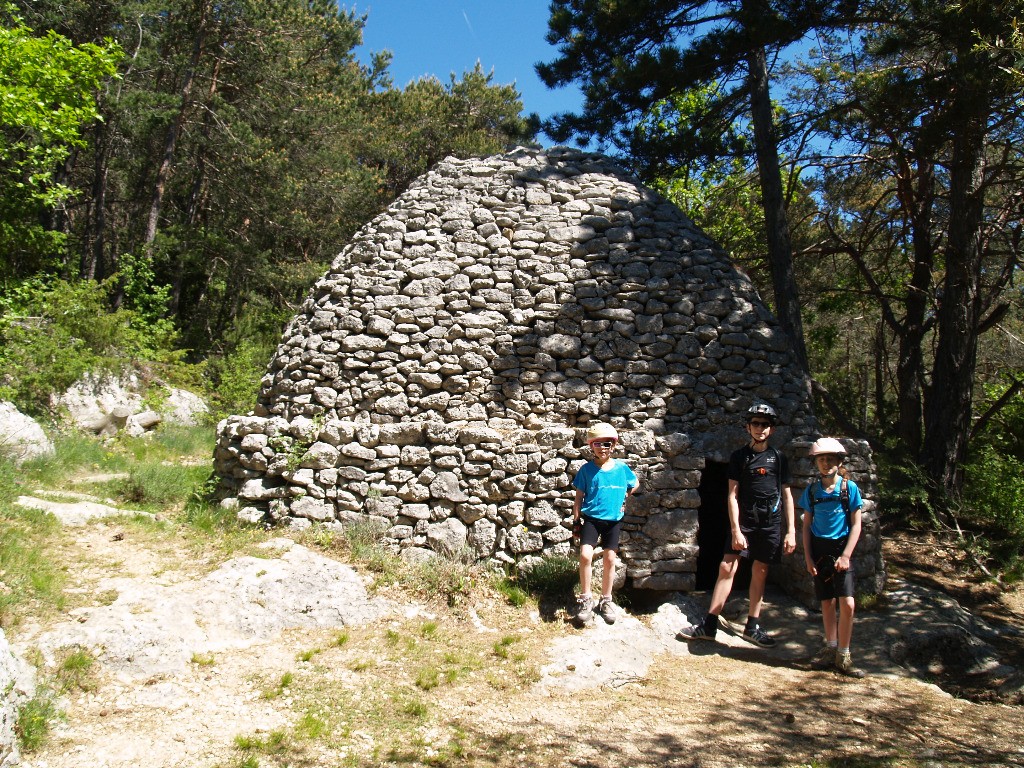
<point>844,500</point>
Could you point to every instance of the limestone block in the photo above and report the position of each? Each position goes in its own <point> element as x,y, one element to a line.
<point>312,509</point>
<point>521,540</point>
<point>447,537</point>
<point>320,455</point>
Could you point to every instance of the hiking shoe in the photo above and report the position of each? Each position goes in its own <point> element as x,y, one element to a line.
<point>824,659</point>
<point>695,632</point>
<point>758,637</point>
<point>844,663</point>
<point>584,609</point>
<point>607,610</point>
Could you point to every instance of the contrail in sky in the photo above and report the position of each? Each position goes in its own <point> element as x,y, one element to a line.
<point>471,30</point>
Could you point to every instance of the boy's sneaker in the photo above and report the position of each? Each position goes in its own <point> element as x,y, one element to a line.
<point>607,610</point>
<point>758,637</point>
<point>825,658</point>
<point>584,609</point>
<point>844,663</point>
<point>696,632</point>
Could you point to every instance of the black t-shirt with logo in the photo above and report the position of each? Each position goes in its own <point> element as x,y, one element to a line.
<point>758,474</point>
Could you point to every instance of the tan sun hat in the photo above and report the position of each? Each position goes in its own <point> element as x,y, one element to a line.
<point>601,431</point>
<point>827,445</point>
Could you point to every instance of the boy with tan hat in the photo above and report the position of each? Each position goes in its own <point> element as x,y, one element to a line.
<point>832,524</point>
<point>602,486</point>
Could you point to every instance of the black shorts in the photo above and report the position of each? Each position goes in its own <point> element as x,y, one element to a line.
<point>605,532</point>
<point>764,538</point>
<point>830,583</point>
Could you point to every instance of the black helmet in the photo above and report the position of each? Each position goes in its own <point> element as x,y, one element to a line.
<point>764,410</point>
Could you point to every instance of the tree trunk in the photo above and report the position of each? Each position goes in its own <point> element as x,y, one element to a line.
<point>949,398</point>
<point>92,253</point>
<point>174,131</point>
<point>916,192</point>
<point>780,249</point>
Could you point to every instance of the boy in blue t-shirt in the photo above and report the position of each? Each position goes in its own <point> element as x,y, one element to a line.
<point>831,529</point>
<point>602,486</point>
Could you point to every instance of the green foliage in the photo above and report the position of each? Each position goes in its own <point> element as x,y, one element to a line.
<point>511,591</point>
<point>51,335</point>
<point>152,333</point>
<point>992,501</point>
<point>34,717</point>
<point>49,93</point>
<point>450,579</point>
<point>54,331</point>
<point>156,486</point>
<point>75,670</point>
<point>552,577</point>
<point>27,573</point>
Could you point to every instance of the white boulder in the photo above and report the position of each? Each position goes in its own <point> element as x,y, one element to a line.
<point>21,437</point>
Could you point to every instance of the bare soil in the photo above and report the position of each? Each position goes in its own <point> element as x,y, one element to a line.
<point>482,683</point>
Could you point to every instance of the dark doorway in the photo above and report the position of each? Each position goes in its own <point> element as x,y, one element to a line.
<point>713,527</point>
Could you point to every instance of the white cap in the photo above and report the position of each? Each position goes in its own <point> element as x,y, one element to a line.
<point>827,445</point>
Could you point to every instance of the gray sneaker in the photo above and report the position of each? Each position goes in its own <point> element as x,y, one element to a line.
<point>607,610</point>
<point>584,609</point>
<point>695,632</point>
<point>844,664</point>
<point>825,658</point>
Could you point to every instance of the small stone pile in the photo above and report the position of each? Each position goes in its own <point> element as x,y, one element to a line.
<point>440,377</point>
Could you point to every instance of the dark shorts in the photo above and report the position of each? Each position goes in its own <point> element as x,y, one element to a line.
<point>764,538</point>
<point>830,583</point>
<point>605,532</point>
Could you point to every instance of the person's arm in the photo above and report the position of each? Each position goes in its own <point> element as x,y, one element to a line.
<point>789,545</point>
<point>806,537</point>
<point>577,504</point>
<point>739,541</point>
<point>843,561</point>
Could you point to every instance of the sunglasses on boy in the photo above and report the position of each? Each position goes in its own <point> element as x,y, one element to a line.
<point>759,424</point>
<point>603,443</point>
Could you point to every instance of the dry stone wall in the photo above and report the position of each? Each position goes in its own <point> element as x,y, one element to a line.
<point>440,377</point>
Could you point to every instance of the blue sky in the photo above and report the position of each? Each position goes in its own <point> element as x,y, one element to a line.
<point>438,37</point>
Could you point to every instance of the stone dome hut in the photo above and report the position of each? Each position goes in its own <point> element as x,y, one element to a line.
<point>439,379</point>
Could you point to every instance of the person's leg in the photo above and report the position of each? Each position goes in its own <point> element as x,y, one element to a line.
<point>723,585</point>
<point>844,660</point>
<point>846,608</point>
<point>708,628</point>
<point>826,656</point>
<point>608,573</point>
<point>828,618</point>
<point>753,632</point>
<point>758,577</point>
<point>586,568</point>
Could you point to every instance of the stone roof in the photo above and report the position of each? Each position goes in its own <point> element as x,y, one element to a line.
<point>535,288</point>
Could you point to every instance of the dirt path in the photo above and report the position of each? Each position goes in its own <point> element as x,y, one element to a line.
<point>480,684</point>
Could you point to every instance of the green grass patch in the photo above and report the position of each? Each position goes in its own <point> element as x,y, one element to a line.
<point>502,647</point>
<point>28,573</point>
<point>273,742</point>
<point>34,718</point>
<point>75,670</point>
<point>276,690</point>
<point>549,577</point>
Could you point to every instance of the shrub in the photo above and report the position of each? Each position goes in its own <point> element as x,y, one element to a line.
<point>53,331</point>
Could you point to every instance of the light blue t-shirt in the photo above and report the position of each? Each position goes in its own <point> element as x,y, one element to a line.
<point>829,520</point>
<point>604,490</point>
